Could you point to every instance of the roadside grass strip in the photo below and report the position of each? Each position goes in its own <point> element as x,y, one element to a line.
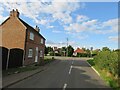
<point>93,68</point>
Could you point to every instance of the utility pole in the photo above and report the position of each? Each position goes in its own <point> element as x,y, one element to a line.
<point>67,48</point>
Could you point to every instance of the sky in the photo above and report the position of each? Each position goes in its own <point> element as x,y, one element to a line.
<point>85,24</point>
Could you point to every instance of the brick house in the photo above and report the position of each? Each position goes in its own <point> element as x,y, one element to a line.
<point>21,43</point>
<point>78,50</point>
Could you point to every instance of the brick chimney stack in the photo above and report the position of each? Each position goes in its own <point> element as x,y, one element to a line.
<point>37,28</point>
<point>14,13</point>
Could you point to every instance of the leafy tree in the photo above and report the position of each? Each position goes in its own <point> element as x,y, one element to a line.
<point>88,52</point>
<point>63,51</point>
<point>46,50</point>
<point>84,49</point>
<point>105,49</point>
<point>50,49</point>
<point>70,50</point>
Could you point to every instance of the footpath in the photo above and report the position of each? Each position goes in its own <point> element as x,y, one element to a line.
<point>14,78</point>
<point>17,77</point>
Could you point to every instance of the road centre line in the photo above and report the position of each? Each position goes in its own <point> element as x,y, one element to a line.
<point>70,69</point>
<point>64,87</point>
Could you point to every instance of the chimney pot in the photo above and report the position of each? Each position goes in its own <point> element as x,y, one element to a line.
<point>37,28</point>
<point>14,13</point>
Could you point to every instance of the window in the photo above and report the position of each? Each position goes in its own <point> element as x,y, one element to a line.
<point>30,53</point>
<point>41,53</point>
<point>31,36</point>
<point>41,40</point>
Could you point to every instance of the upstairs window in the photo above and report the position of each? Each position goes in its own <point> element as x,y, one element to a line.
<point>31,36</point>
<point>41,40</point>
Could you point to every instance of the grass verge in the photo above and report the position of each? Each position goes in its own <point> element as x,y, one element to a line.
<point>111,80</point>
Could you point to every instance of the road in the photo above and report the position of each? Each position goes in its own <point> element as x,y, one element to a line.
<point>69,73</point>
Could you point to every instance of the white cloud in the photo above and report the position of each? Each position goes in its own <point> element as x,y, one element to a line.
<point>2,18</point>
<point>58,10</point>
<point>56,31</point>
<point>50,27</point>
<point>60,44</point>
<point>113,38</point>
<point>81,18</point>
<point>113,24</point>
<point>42,22</point>
<point>83,24</point>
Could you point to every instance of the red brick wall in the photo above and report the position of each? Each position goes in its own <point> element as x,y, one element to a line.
<point>33,44</point>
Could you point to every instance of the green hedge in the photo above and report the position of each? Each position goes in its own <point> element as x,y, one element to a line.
<point>107,60</point>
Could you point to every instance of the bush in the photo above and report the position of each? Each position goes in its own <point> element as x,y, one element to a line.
<point>107,60</point>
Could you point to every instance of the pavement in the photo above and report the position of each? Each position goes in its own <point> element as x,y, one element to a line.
<point>62,73</point>
<point>14,78</point>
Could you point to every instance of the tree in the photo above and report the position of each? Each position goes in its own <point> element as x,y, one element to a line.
<point>88,52</point>
<point>70,50</point>
<point>63,51</point>
<point>46,50</point>
<point>105,49</point>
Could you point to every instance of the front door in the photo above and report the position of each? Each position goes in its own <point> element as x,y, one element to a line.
<point>36,56</point>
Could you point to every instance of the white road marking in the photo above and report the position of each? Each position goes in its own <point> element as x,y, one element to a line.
<point>72,62</point>
<point>65,85</point>
<point>70,69</point>
<point>94,69</point>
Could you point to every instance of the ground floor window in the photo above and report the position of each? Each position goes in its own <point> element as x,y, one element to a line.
<point>30,52</point>
<point>41,53</point>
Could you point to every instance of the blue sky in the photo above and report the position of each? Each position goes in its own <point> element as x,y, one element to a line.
<point>85,24</point>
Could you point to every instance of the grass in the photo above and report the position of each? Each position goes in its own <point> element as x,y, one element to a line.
<point>48,59</point>
<point>26,68</point>
<point>106,76</point>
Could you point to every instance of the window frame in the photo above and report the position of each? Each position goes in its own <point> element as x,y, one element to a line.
<point>31,36</point>
<point>30,53</point>
<point>42,41</point>
<point>41,53</point>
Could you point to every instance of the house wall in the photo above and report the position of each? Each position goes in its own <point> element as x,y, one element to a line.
<point>13,34</point>
<point>33,44</point>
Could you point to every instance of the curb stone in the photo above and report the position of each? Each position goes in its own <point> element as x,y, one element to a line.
<point>93,69</point>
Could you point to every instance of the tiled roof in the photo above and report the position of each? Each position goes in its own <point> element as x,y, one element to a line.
<point>78,50</point>
<point>29,27</point>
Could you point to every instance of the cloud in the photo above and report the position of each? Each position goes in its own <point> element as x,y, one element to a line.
<point>113,38</point>
<point>60,43</point>
<point>40,9</point>
<point>81,18</point>
<point>2,18</point>
<point>42,21</point>
<point>56,31</point>
<point>50,26</point>
<point>85,24</point>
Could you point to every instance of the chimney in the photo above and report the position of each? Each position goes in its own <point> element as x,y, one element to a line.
<point>37,28</point>
<point>14,13</point>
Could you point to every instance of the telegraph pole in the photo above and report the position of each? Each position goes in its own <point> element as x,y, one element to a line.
<point>67,48</point>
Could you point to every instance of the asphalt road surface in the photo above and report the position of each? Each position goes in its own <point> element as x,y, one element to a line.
<point>69,73</point>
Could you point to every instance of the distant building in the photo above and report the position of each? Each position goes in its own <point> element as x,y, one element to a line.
<point>21,43</point>
<point>78,50</point>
